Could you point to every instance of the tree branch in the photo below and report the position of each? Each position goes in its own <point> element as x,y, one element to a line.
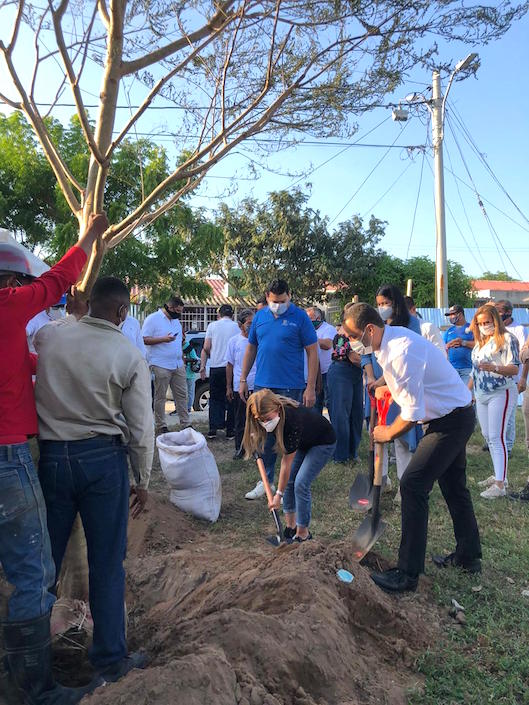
<point>219,19</point>
<point>73,79</point>
<point>103,11</point>
<point>16,27</point>
<point>156,89</point>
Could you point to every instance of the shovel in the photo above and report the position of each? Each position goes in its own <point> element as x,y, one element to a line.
<point>372,526</point>
<point>361,492</point>
<point>276,539</point>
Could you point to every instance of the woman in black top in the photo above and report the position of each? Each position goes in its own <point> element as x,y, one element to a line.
<point>306,441</point>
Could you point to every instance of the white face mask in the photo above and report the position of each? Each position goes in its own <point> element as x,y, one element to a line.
<point>278,308</point>
<point>358,346</point>
<point>385,312</point>
<point>270,425</point>
<point>487,329</point>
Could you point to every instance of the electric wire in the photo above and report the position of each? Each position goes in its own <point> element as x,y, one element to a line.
<point>492,230</point>
<point>370,174</point>
<point>465,210</point>
<point>338,153</point>
<point>399,177</point>
<point>471,142</point>
<point>418,195</point>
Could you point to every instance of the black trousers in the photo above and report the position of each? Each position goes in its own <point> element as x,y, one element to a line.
<point>441,456</point>
<point>240,419</point>
<point>220,409</point>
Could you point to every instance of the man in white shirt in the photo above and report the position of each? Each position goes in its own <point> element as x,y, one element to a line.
<point>162,334</point>
<point>428,390</point>
<point>218,333</point>
<point>325,334</point>
<point>504,308</point>
<point>131,329</point>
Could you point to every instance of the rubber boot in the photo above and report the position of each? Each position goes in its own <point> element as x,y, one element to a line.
<point>28,648</point>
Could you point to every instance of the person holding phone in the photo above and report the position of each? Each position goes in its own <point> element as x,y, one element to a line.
<point>162,334</point>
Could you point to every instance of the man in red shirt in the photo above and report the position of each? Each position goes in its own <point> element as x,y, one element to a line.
<point>25,553</point>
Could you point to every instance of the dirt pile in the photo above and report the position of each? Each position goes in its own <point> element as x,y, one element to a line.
<point>258,626</point>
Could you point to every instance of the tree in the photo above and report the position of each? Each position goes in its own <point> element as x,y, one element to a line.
<point>421,270</point>
<point>497,276</point>
<point>233,68</point>
<point>159,259</point>
<point>283,238</point>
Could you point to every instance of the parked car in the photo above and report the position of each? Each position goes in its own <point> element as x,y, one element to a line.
<point>196,338</point>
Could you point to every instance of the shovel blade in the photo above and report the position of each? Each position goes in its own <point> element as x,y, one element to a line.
<point>366,536</point>
<point>275,540</point>
<point>361,493</point>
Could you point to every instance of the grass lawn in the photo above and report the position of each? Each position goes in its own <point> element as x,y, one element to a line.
<point>485,661</point>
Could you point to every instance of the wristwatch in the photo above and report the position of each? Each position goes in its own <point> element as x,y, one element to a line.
<point>281,494</point>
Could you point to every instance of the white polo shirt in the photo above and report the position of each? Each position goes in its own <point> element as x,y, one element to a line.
<point>420,378</point>
<point>166,355</point>
<point>324,356</point>
<point>220,332</point>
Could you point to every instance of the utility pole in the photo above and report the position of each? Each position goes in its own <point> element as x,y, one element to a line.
<point>441,265</point>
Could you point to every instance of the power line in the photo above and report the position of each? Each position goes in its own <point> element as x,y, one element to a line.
<point>375,204</point>
<point>465,211</point>
<point>418,195</point>
<point>370,173</point>
<point>338,153</point>
<point>480,203</point>
<point>481,157</point>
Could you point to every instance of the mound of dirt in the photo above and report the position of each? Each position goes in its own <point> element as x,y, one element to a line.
<point>259,626</point>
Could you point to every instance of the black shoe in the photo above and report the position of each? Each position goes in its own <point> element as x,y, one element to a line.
<point>28,656</point>
<point>485,447</point>
<point>288,534</point>
<point>230,435</point>
<point>470,565</point>
<point>522,496</point>
<point>115,671</point>
<point>395,580</point>
<point>298,539</point>
<point>211,435</point>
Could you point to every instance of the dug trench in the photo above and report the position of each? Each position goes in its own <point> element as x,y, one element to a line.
<point>248,624</point>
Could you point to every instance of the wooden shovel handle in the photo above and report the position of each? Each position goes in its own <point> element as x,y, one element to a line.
<point>264,478</point>
<point>379,461</point>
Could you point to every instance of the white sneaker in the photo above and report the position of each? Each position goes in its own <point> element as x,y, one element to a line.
<point>493,492</point>
<point>258,491</point>
<point>488,482</point>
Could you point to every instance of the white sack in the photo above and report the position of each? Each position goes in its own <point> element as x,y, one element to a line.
<point>191,471</point>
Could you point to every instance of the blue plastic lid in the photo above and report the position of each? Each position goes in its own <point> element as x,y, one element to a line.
<point>345,576</point>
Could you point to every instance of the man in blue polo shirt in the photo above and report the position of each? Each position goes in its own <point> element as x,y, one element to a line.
<point>280,335</point>
<point>459,342</point>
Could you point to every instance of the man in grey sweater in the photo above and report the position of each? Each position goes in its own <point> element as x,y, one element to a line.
<point>93,404</point>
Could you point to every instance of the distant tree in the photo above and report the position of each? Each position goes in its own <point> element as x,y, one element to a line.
<point>497,276</point>
<point>282,237</point>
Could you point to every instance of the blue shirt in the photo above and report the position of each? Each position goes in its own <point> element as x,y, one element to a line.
<point>280,343</point>
<point>460,358</point>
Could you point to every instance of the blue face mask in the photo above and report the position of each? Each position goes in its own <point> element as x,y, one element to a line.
<point>278,308</point>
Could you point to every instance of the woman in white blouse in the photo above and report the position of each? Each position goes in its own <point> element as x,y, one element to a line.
<point>495,362</point>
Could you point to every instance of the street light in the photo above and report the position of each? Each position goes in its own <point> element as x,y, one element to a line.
<point>437,110</point>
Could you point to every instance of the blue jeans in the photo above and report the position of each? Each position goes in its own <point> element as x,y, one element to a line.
<point>269,456</point>
<point>322,397</point>
<point>465,373</point>
<point>25,552</point>
<point>91,477</point>
<point>190,381</point>
<point>346,408</point>
<point>306,467</point>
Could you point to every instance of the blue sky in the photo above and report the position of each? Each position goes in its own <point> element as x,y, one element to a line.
<point>492,108</point>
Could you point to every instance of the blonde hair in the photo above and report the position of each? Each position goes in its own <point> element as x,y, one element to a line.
<point>260,404</point>
<point>499,326</point>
